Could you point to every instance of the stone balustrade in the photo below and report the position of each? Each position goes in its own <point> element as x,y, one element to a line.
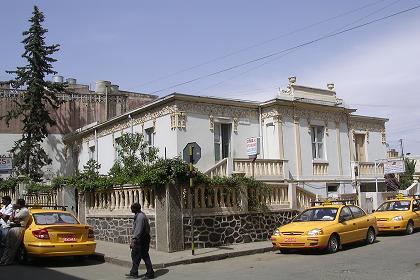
<point>304,198</point>
<point>118,201</point>
<point>263,168</point>
<point>219,170</point>
<point>368,169</point>
<point>320,168</point>
<point>8,192</point>
<point>221,199</point>
<point>41,199</point>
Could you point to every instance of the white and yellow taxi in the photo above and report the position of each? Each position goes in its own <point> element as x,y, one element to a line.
<point>401,214</point>
<point>327,226</point>
<point>54,233</point>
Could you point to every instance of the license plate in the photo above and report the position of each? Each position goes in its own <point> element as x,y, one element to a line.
<point>380,224</point>
<point>68,238</point>
<point>290,240</point>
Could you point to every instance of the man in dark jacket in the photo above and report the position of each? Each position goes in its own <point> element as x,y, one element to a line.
<point>140,243</point>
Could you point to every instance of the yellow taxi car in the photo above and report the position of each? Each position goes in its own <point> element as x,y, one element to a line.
<point>52,233</point>
<point>401,214</point>
<point>326,226</point>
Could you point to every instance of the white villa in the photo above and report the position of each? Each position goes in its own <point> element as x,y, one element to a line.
<point>308,137</point>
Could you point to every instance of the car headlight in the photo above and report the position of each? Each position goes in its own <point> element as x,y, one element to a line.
<point>276,232</point>
<point>315,231</point>
<point>397,218</point>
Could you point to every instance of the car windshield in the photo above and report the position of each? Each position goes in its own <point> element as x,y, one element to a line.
<point>400,205</point>
<point>54,218</point>
<point>317,214</point>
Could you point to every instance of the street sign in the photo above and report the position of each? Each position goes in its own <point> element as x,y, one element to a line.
<point>253,147</point>
<point>5,163</point>
<point>394,166</point>
<point>196,152</point>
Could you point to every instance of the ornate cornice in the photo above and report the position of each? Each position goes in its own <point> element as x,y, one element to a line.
<point>368,125</point>
<point>309,115</point>
<point>216,110</point>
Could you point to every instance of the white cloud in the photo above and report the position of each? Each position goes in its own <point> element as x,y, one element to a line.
<point>382,71</point>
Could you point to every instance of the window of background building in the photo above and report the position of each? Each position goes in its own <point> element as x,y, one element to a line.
<point>360,147</point>
<point>92,153</point>
<point>222,135</point>
<point>317,134</point>
<point>150,136</point>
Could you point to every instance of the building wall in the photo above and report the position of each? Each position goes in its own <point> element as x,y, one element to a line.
<point>54,147</point>
<point>213,231</point>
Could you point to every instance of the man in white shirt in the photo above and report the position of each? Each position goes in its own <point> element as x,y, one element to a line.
<point>5,213</point>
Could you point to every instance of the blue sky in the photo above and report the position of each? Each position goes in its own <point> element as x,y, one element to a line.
<point>131,43</point>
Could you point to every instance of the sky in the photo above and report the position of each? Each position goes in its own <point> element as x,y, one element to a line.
<point>151,46</point>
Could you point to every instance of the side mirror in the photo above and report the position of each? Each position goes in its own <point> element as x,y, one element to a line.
<point>341,220</point>
<point>373,211</point>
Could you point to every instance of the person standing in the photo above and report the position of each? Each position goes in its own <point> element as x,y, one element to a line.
<point>18,221</point>
<point>5,213</point>
<point>140,243</point>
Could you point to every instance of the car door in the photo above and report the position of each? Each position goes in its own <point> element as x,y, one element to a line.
<point>362,221</point>
<point>346,226</point>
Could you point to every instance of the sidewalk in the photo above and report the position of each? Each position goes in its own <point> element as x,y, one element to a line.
<point>119,254</point>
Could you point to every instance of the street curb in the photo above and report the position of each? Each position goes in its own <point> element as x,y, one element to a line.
<point>124,263</point>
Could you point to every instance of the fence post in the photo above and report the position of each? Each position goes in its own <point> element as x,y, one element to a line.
<point>292,196</point>
<point>169,224</point>
<point>243,195</point>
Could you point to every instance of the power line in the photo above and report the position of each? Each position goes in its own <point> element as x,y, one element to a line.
<point>276,58</point>
<point>261,43</point>
<point>289,49</point>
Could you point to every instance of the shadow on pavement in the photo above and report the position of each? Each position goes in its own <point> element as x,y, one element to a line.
<point>20,272</point>
<point>317,252</point>
<point>161,272</point>
<point>63,262</point>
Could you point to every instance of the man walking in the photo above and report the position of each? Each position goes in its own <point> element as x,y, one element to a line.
<point>140,243</point>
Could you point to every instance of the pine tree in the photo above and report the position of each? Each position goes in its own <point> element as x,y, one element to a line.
<point>32,107</point>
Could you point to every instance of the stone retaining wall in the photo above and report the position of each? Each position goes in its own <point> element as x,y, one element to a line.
<point>118,229</point>
<point>213,231</point>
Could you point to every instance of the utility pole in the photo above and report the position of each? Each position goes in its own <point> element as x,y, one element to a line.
<point>402,148</point>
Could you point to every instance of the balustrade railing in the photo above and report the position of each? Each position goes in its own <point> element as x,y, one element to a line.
<point>218,170</point>
<point>215,199</point>
<point>320,168</point>
<point>9,192</point>
<point>263,168</point>
<point>368,169</point>
<point>304,198</point>
<point>41,198</point>
<point>207,200</point>
<point>118,201</point>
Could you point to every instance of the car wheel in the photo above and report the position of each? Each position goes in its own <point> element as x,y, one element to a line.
<point>371,236</point>
<point>410,228</point>
<point>333,244</point>
<point>22,255</point>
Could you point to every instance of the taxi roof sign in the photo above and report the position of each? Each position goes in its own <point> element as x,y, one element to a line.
<point>331,202</point>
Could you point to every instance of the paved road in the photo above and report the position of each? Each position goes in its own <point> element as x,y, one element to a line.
<point>392,257</point>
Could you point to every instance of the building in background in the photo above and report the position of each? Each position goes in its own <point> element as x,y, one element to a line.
<point>307,136</point>
<point>82,107</point>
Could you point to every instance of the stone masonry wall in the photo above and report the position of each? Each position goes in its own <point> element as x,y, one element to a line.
<point>118,229</point>
<point>213,231</point>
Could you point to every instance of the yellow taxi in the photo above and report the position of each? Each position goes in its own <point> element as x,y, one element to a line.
<point>399,214</point>
<point>326,226</point>
<point>52,233</point>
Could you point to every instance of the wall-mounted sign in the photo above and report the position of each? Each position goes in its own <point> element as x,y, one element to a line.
<point>394,166</point>
<point>5,163</point>
<point>253,147</point>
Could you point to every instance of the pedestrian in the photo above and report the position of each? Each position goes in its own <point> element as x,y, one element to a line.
<point>17,222</point>
<point>140,243</point>
<point>5,213</point>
